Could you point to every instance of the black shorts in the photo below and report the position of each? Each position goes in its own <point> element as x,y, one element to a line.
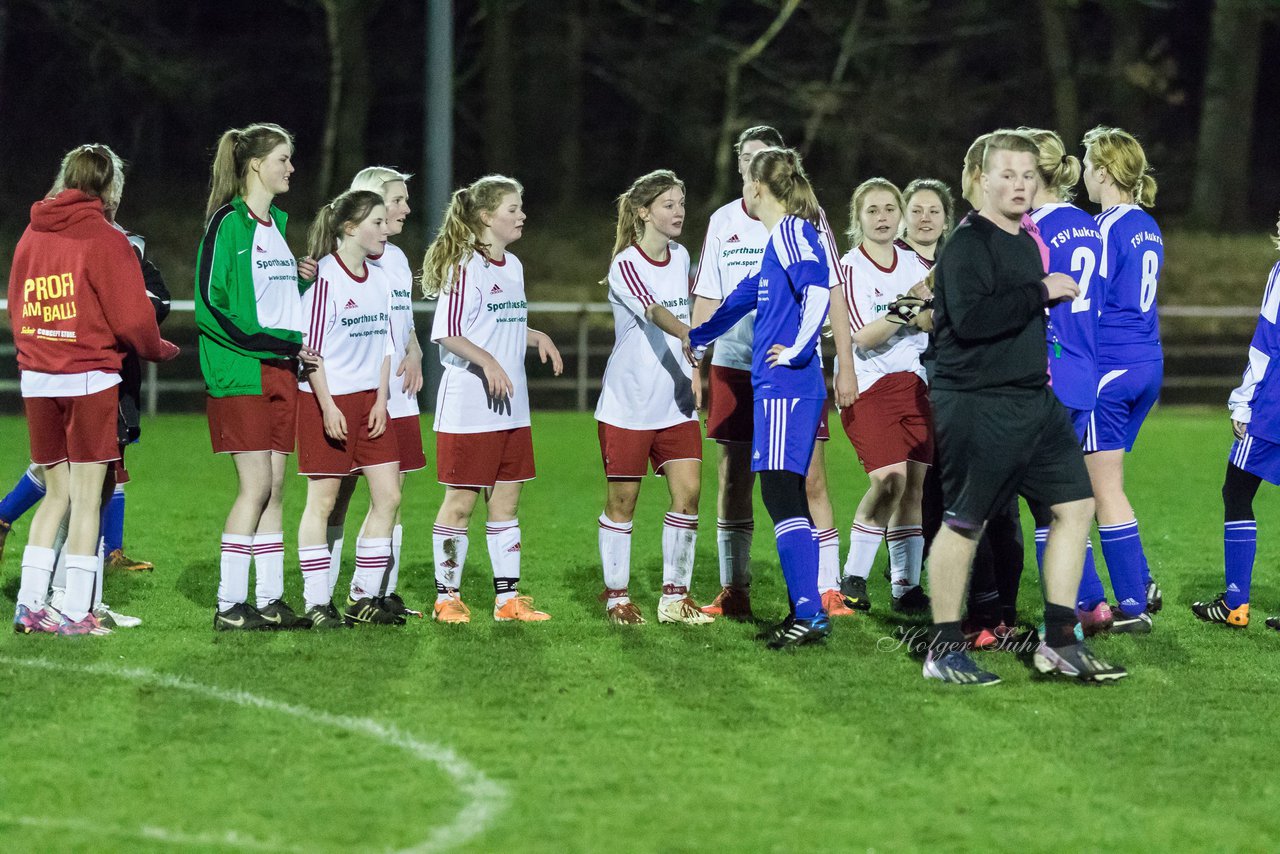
<point>996,444</point>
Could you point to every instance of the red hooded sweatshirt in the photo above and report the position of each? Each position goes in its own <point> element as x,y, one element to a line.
<point>77,300</point>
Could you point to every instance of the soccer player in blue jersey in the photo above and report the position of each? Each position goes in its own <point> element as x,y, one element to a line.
<point>790,296</point>
<point>1255,457</point>
<point>1075,248</point>
<point>1130,358</point>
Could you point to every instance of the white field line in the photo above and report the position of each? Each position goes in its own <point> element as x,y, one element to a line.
<point>484,799</point>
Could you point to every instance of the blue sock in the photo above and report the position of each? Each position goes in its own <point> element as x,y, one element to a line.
<point>1042,539</point>
<point>1122,550</point>
<point>1239,546</point>
<point>798,553</point>
<point>113,520</point>
<point>1091,593</point>
<point>24,495</point>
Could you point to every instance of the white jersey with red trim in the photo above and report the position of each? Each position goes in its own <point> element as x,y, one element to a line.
<point>731,251</point>
<point>648,382</point>
<point>275,279</point>
<point>393,262</point>
<point>349,324</point>
<point>868,289</point>
<point>487,306</point>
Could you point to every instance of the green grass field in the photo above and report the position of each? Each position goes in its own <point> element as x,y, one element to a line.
<point>577,735</point>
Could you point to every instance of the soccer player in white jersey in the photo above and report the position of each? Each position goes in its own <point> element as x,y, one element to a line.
<point>647,414</point>
<point>734,244</point>
<point>342,411</point>
<point>406,380</point>
<point>483,441</point>
<point>1130,358</point>
<point>249,314</point>
<point>889,424</point>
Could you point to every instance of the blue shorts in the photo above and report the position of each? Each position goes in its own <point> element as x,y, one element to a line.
<point>1125,397</point>
<point>1080,421</point>
<point>784,432</point>
<point>1258,457</point>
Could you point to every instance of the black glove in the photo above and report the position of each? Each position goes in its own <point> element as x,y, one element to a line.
<point>904,309</point>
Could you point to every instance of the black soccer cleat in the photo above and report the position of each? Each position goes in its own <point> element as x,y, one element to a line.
<point>1218,611</point>
<point>797,632</point>
<point>393,604</point>
<point>1077,661</point>
<point>1126,624</point>
<point>914,601</point>
<point>241,617</point>
<point>280,616</point>
<point>957,668</point>
<point>854,590</point>
<point>325,616</point>
<point>1273,623</point>
<point>1155,599</point>
<point>366,611</point>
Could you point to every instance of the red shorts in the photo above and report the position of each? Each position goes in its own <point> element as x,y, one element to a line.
<point>79,429</point>
<point>891,423</point>
<point>257,422</point>
<point>320,456</point>
<point>730,404</point>
<point>408,433</point>
<point>482,460</point>
<point>117,468</point>
<point>629,453</point>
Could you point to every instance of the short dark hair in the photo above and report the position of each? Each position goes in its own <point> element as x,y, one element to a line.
<point>763,133</point>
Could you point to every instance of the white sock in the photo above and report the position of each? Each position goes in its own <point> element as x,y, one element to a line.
<point>393,572</point>
<point>268,562</point>
<point>82,572</point>
<point>733,543</point>
<point>99,572</point>
<point>372,557</point>
<point>60,566</point>
<point>233,581</point>
<point>333,537</point>
<point>864,543</point>
<point>449,546</point>
<point>679,536</point>
<point>828,559</point>
<point>615,557</point>
<point>37,569</point>
<point>503,539</point>
<point>314,561</point>
<point>906,552</point>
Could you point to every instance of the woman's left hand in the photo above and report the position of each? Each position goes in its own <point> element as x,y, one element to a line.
<point>378,419</point>
<point>774,353</point>
<point>547,350</point>
<point>307,269</point>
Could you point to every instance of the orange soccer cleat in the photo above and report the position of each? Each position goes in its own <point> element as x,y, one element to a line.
<point>733,603</point>
<point>519,609</point>
<point>833,603</point>
<point>451,610</point>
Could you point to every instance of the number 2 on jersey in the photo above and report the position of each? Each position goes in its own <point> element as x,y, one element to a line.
<point>1150,267</point>
<point>1083,263</point>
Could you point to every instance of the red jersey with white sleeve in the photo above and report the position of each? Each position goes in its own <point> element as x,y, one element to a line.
<point>395,265</point>
<point>349,323</point>
<point>648,383</point>
<point>487,306</point>
<point>731,251</point>
<point>868,289</point>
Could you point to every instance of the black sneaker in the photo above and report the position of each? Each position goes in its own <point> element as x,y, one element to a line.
<point>799,632</point>
<point>325,617</point>
<point>239,618</point>
<point>854,590</point>
<point>1155,599</point>
<point>1218,611</point>
<point>914,601</point>
<point>393,604</point>
<point>1076,660</point>
<point>1273,623</point>
<point>957,668</point>
<point>367,611</point>
<point>1124,624</point>
<point>281,616</point>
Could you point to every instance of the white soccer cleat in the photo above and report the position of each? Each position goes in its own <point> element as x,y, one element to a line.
<point>114,619</point>
<point>682,610</point>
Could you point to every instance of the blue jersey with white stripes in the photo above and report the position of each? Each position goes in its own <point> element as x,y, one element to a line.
<point>1075,248</point>
<point>1256,401</point>
<point>788,293</point>
<point>1132,256</point>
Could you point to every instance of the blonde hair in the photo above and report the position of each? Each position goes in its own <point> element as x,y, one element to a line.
<point>351,208</point>
<point>781,171</point>
<point>1120,153</point>
<point>859,199</point>
<point>1059,171</point>
<point>975,159</point>
<point>459,234</point>
<point>641,194</point>
<point>943,192</point>
<point>375,178</point>
<point>93,169</point>
<point>236,148</point>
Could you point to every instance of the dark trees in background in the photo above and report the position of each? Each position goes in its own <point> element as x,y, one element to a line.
<point>501,58</point>
<point>342,151</point>
<point>1222,169</point>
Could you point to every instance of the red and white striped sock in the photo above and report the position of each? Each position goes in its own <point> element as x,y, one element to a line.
<point>828,559</point>
<point>679,536</point>
<point>864,543</point>
<point>373,555</point>
<point>615,558</point>
<point>233,579</point>
<point>733,543</point>
<point>268,563</point>
<point>503,539</point>
<point>314,561</point>
<point>906,554</point>
<point>449,546</point>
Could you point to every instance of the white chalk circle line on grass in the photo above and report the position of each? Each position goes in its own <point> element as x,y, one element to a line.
<point>484,799</point>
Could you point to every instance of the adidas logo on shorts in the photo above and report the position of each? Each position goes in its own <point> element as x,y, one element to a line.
<point>350,305</point>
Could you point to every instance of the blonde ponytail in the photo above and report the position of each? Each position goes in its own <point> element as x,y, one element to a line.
<point>236,148</point>
<point>1120,153</point>
<point>351,208</point>
<point>460,232</point>
<point>1059,171</point>
<point>781,171</point>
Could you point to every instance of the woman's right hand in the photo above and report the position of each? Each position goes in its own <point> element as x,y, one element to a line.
<point>335,424</point>
<point>1239,428</point>
<point>500,385</point>
<point>310,358</point>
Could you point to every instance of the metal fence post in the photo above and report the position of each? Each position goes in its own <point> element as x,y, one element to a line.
<point>153,390</point>
<point>584,328</point>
